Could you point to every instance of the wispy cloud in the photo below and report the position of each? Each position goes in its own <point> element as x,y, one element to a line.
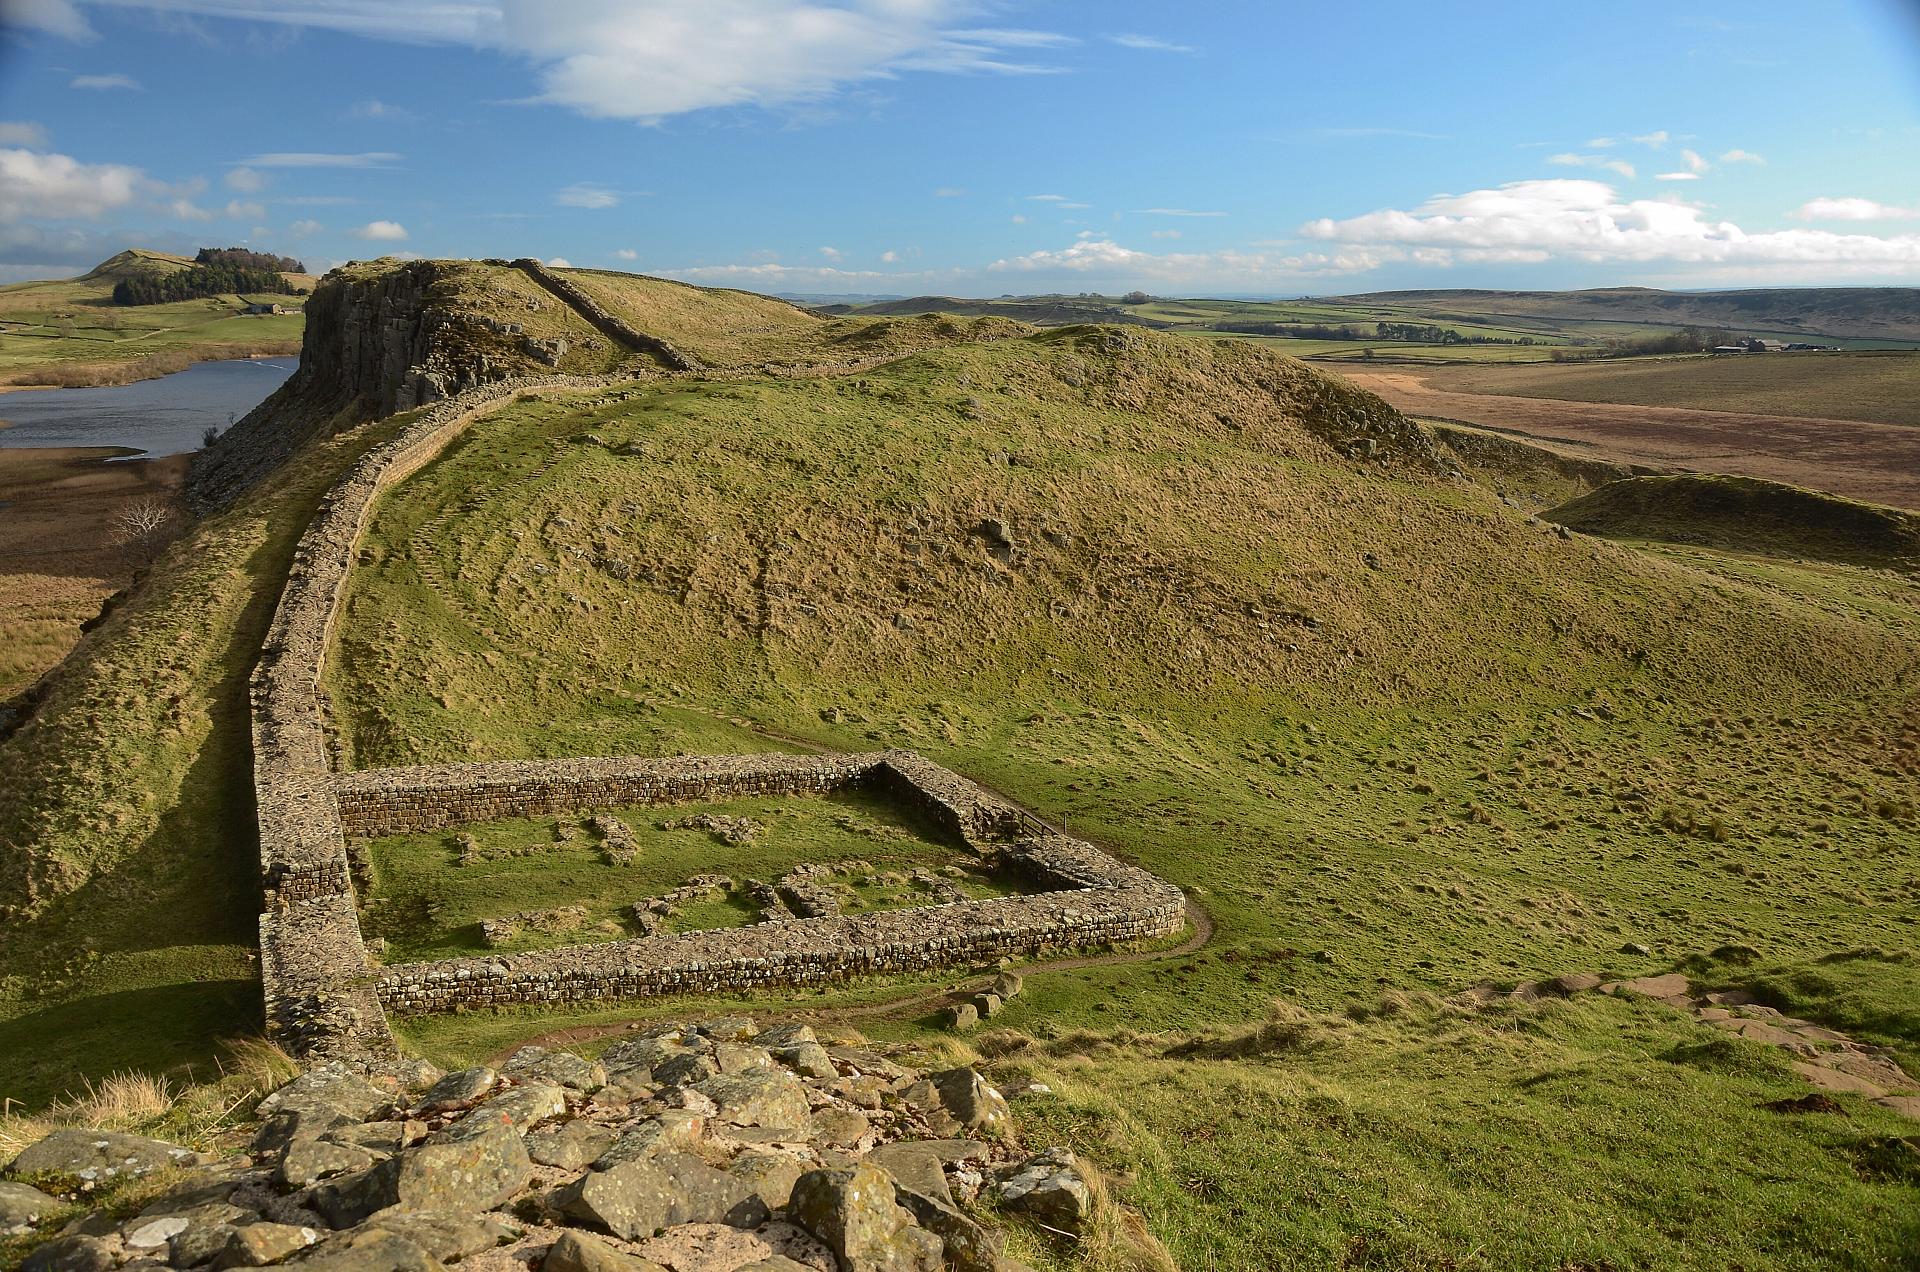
<point>106,83</point>
<point>1742,156</point>
<point>313,159</point>
<point>1148,43</point>
<point>1571,159</point>
<point>245,180</point>
<point>586,196</point>
<point>1175,212</point>
<point>626,254</point>
<point>1057,200</point>
<point>22,134</point>
<point>52,17</point>
<point>1852,209</point>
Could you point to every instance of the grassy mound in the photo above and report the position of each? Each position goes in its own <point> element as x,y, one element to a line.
<point>1749,515</point>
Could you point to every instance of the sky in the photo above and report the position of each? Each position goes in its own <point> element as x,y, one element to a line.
<point>979,147</point>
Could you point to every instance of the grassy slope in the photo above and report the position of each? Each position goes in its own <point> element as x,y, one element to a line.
<point>1499,755</point>
<point>1882,388</point>
<point>1747,514</point>
<point>1494,754</point>
<point>72,332</point>
<point>128,864</point>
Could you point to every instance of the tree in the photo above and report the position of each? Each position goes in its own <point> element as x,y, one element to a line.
<point>141,522</point>
<point>1135,298</point>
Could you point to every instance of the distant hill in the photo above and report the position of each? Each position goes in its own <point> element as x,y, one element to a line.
<point>1041,311</point>
<point>1891,313</point>
<point>135,261</point>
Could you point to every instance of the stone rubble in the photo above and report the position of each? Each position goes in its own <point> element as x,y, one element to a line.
<point>716,1146</point>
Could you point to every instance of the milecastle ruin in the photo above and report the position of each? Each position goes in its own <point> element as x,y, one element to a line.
<point>324,995</point>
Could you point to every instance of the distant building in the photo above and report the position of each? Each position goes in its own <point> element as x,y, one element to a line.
<point>1722,350</point>
<point>1764,346</point>
<point>265,307</point>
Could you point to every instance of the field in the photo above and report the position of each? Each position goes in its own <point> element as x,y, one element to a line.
<point>1879,462</point>
<point>425,903</point>
<point>1395,737</point>
<point>70,333</point>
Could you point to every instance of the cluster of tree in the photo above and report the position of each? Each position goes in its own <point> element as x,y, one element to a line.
<point>1685,340</point>
<point>1297,330</point>
<point>1400,332</point>
<point>1427,333</point>
<point>1135,298</point>
<point>241,258</point>
<point>198,281</point>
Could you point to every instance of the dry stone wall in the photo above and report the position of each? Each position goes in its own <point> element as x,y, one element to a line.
<point>323,998</point>
<point>616,328</point>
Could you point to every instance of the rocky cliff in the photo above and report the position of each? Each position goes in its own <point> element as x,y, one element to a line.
<point>389,336</point>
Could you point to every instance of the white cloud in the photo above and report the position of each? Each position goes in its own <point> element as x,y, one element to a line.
<point>1850,209</point>
<point>1166,234</point>
<point>1654,139</point>
<point>1694,162</point>
<point>586,196</point>
<point>1019,219</point>
<point>1149,43</point>
<point>1742,156</point>
<point>245,180</point>
<point>889,257</point>
<point>560,262</point>
<point>1176,212</point>
<point>1601,143</point>
<point>1536,221</point>
<point>188,210</point>
<point>311,159</point>
<point>245,210</point>
<point>61,187</point>
<point>1571,160</point>
<point>54,17</point>
<point>105,82</point>
<point>1676,176</point>
<point>831,253</point>
<point>22,134</point>
<point>382,231</point>
<point>1058,200</point>
<point>301,229</point>
<point>626,254</point>
<point>374,108</point>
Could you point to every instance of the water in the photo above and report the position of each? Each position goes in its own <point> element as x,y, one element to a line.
<point>166,416</point>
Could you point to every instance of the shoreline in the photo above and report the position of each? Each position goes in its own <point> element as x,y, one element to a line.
<point>111,375</point>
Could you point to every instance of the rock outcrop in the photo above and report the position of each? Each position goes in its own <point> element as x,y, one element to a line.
<point>712,1147</point>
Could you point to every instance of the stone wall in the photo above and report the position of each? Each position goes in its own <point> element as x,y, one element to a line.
<point>1130,906</point>
<point>436,797</point>
<point>615,327</point>
<point>311,949</point>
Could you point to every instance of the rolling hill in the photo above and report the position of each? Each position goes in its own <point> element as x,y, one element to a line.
<point>1208,606</point>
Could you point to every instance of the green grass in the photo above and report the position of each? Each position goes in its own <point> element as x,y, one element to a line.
<point>426,905</point>
<point>128,857</point>
<point>53,329</point>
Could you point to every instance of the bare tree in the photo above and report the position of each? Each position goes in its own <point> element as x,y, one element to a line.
<point>141,522</point>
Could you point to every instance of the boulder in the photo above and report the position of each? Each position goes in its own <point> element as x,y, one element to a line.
<point>259,1245</point>
<point>520,1109</point>
<point>371,1251</point>
<point>461,1090</point>
<point>199,1243</point>
<point>809,1059</point>
<point>914,1166</point>
<point>728,1028</point>
<point>151,1234</point>
<point>689,1068</point>
<point>1008,985</point>
<point>788,1035</point>
<point>577,1252</point>
<point>478,1169</point>
<point>673,1129</point>
<point>21,1206</point>
<point>447,1235</point>
<point>854,1213</point>
<point>771,1176</point>
<point>562,1068</point>
<point>967,1246</point>
<point>771,1098</point>
<point>738,1057</point>
<point>966,1098</point>
<point>71,1254</point>
<point>308,1161</point>
<point>330,1087</point>
<point>1048,1187</point>
<point>382,1139</point>
<point>94,1157</point>
<point>844,1127</point>
<point>988,1005</point>
<point>571,1146</point>
<point>638,1198</point>
<point>963,1016</point>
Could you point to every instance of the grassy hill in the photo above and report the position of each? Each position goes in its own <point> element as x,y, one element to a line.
<point>1204,604</point>
<point>1891,313</point>
<point>1749,515</point>
<point>71,333</point>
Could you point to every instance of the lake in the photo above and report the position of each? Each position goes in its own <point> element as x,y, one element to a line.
<point>166,416</point>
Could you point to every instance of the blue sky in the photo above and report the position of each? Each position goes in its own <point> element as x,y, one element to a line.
<point>908,146</point>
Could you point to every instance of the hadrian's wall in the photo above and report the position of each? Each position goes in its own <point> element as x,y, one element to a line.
<point>323,998</point>
<point>614,327</point>
<point>313,962</point>
<point>400,801</point>
<point>1125,905</point>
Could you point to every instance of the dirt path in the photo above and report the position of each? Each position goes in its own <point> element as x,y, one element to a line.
<point>1877,462</point>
